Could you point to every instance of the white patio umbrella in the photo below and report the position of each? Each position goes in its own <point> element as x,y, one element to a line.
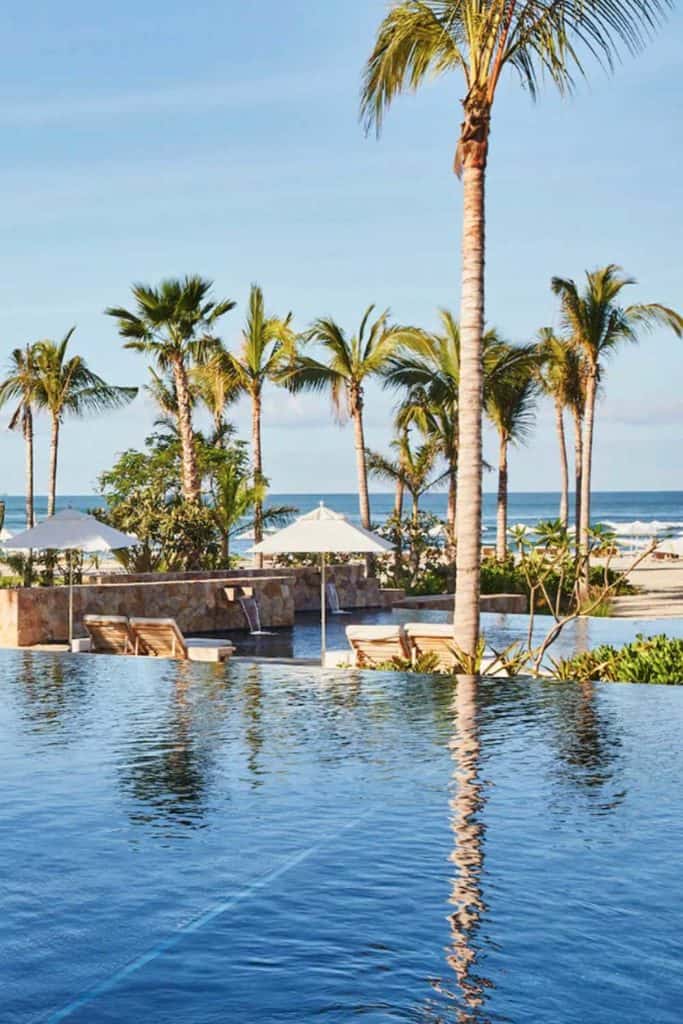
<point>70,530</point>
<point>322,532</point>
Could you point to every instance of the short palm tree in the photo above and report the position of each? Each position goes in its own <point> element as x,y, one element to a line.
<point>67,387</point>
<point>216,390</point>
<point>350,362</point>
<point>413,467</point>
<point>560,376</point>
<point>21,386</point>
<point>596,324</point>
<point>267,346</point>
<point>480,39</point>
<point>427,366</point>
<point>511,407</point>
<point>175,324</point>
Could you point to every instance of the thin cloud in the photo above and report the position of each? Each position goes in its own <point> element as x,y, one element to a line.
<point>197,97</point>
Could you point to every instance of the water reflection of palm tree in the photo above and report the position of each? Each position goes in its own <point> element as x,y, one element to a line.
<point>51,700</point>
<point>467,857</point>
<point>169,775</point>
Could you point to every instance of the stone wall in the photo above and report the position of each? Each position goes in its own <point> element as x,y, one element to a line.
<point>195,600</point>
<point>40,614</point>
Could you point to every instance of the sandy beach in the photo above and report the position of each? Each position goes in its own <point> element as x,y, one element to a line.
<point>660,590</point>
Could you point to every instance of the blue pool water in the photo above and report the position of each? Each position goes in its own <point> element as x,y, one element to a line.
<point>189,843</point>
<point>499,631</point>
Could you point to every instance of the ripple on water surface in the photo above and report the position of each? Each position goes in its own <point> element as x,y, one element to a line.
<point>193,843</point>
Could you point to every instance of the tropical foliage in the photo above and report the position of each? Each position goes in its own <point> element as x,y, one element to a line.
<point>652,659</point>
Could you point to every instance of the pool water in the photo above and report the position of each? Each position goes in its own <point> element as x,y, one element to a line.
<point>192,843</point>
<point>303,641</point>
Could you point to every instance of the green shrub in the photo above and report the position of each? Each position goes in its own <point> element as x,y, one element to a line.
<point>653,659</point>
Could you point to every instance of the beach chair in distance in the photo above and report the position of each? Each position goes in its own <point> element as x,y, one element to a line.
<point>377,645</point>
<point>110,634</point>
<point>162,638</point>
<point>425,638</point>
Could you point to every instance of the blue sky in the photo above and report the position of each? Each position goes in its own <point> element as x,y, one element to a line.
<point>148,140</point>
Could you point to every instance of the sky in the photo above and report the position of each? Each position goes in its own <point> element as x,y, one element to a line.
<point>141,141</point>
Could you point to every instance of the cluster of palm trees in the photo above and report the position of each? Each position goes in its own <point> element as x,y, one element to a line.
<point>176,324</point>
<point>43,377</point>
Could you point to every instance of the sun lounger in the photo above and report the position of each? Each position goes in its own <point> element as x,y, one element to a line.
<point>110,634</point>
<point>163,639</point>
<point>375,645</point>
<point>432,638</point>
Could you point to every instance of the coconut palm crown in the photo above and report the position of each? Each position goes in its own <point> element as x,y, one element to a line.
<point>68,387</point>
<point>175,323</point>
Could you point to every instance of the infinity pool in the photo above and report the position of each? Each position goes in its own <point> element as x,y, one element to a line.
<point>194,845</point>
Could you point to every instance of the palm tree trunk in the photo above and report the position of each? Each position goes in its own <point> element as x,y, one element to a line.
<point>564,466</point>
<point>191,484</point>
<point>450,520</point>
<point>398,499</point>
<point>586,468</point>
<point>257,459</point>
<point>363,496</point>
<point>28,438</point>
<point>362,470</point>
<point>468,516</point>
<point>502,509</point>
<point>52,483</point>
<point>578,461</point>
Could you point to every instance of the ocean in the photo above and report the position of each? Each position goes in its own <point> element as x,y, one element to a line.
<point>524,507</point>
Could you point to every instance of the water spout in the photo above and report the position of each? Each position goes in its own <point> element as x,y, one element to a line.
<point>249,606</point>
<point>333,600</point>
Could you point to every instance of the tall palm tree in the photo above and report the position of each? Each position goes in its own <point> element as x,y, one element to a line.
<point>510,405</point>
<point>21,385</point>
<point>350,363</point>
<point>174,324</point>
<point>480,39</point>
<point>67,387</point>
<point>596,325</point>
<point>267,346</point>
<point>560,376</point>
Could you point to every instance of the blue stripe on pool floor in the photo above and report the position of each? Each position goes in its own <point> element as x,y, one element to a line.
<point>107,984</point>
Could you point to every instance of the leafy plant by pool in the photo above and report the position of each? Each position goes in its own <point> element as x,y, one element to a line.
<point>648,659</point>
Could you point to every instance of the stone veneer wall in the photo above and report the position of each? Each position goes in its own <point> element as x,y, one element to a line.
<point>195,600</point>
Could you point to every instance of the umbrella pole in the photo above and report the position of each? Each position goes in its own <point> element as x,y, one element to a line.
<point>71,598</point>
<point>323,610</point>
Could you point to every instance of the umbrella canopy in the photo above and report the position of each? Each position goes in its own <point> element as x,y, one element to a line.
<point>323,531</point>
<point>71,530</point>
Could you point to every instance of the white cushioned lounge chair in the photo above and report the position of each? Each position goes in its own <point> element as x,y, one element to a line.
<point>375,645</point>
<point>162,638</point>
<point>110,634</point>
